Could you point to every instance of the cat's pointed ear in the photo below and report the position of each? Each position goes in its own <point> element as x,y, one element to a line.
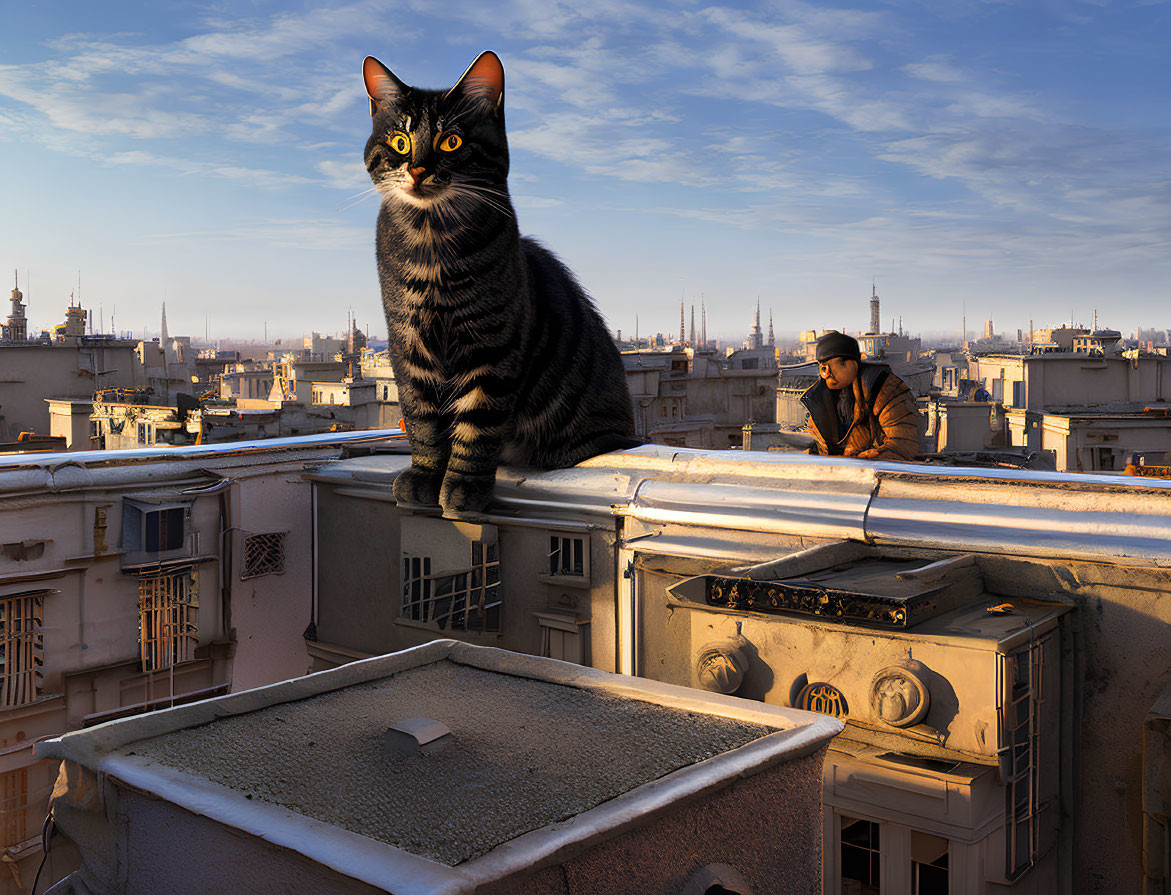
<point>381,84</point>
<point>482,83</point>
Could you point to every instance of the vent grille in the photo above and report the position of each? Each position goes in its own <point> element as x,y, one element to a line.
<point>264,554</point>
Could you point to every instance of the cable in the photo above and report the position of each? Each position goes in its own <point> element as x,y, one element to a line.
<point>47,830</point>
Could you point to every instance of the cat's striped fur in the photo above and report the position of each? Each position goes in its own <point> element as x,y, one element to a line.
<point>498,353</point>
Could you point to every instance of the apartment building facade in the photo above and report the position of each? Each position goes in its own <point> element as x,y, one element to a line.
<point>994,640</point>
<point>138,580</point>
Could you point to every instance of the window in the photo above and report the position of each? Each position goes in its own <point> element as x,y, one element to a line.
<point>457,600</point>
<point>1017,712</point>
<point>859,856</point>
<point>264,554</point>
<point>153,528</point>
<point>168,618</point>
<point>929,864</point>
<point>750,363</point>
<point>14,807</point>
<point>21,648</point>
<point>566,555</point>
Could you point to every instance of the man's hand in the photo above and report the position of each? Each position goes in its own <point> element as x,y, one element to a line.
<point>871,454</point>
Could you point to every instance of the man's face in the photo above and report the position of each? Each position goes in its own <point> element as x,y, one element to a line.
<point>838,372</point>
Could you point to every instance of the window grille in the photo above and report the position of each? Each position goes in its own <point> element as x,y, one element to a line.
<point>14,807</point>
<point>566,555</point>
<point>22,648</point>
<point>1019,701</point>
<point>264,554</point>
<point>461,600</point>
<point>168,618</point>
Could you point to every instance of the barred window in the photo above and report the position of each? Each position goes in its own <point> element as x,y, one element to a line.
<point>168,618</point>
<point>566,555</point>
<point>459,600</point>
<point>14,807</point>
<point>1018,710</point>
<point>22,648</point>
<point>264,554</point>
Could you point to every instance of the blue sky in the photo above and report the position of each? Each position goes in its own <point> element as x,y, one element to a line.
<point>1011,158</point>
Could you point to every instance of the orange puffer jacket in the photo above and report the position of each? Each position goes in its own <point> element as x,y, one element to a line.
<point>885,416</point>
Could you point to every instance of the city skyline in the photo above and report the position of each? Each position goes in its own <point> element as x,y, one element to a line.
<point>967,154</point>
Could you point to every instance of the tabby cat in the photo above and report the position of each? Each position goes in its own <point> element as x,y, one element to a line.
<point>498,353</point>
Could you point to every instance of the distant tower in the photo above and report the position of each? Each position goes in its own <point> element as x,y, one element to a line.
<point>692,330</point>
<point>74,322</point>
<point>875,319</point>
<point>163,337</point>
<point>772,343</point>
<point>755,338</point>
<point>703,324</point>
<point>17,328</point>
<point>988,328</point>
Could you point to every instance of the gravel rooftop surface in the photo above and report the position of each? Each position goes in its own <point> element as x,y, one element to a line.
<point>526,754</point>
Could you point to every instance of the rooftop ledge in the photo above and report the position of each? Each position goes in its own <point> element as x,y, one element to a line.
<point>1108,518</point>
<point>1113,519</point>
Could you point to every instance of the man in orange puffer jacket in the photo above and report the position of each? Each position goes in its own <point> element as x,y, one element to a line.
<point>859,409</point>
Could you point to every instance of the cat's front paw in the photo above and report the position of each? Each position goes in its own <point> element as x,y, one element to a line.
<point>466,496</point>
<point>418,487</point>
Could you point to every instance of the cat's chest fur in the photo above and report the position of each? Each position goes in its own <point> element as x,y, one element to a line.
<point>443,292</point>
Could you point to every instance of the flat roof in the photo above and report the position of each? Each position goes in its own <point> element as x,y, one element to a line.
<point>547,758</point>
<point>525,754</point>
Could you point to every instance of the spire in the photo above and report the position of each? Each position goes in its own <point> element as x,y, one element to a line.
<point>703,322</point>
<point>692,330</point>
<point>163,337</point>
<point>771,341</point>
<point>756,319</point>
<point>682,327</point>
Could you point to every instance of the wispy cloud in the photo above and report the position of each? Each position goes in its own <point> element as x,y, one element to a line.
<point>865,136</point>
<point>315,233</point>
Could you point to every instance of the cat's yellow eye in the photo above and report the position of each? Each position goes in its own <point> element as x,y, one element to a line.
<point>450,142</point>
<point>399,142</point>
